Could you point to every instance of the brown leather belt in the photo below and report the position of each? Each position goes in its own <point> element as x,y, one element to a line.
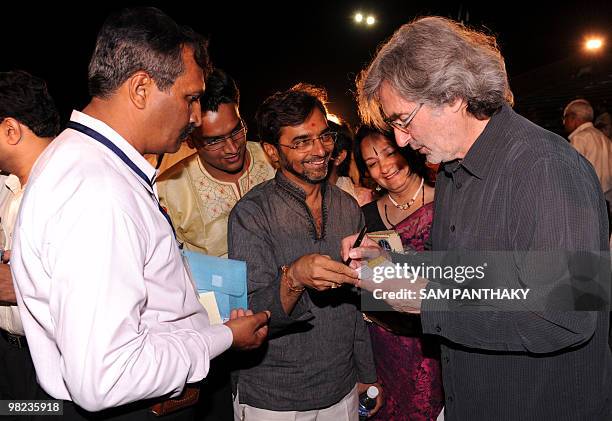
<point>189,397</point>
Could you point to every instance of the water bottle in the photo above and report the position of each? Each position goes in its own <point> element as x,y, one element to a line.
<point>367,401</point>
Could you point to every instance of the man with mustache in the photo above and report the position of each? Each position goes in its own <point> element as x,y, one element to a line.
<point>201,190</point>
<point>110,314</point>
<point>289,230</point>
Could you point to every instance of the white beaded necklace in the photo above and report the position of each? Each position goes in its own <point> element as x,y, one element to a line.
<point>406,206</point>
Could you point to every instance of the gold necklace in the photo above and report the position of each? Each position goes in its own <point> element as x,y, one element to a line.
<point>407,205</point>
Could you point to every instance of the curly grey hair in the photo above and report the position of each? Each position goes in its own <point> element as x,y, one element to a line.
<point>435,60</point>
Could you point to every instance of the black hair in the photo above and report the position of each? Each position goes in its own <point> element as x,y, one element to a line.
<point>26,99</point>
<point>220,89</point>
<point>344,142</point>
<point>416,161</point>
<point>142,39</point>
<point>289,108</point>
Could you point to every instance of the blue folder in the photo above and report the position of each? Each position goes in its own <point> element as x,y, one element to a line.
<point>227,278</point>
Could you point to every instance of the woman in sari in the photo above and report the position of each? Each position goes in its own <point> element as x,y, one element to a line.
<point>407,362</point>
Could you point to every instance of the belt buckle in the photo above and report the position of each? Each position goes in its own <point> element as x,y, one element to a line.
<point>14,340</point>
<point>189,397</point>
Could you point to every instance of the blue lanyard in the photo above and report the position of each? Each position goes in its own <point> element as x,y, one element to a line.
<point>121,155</point>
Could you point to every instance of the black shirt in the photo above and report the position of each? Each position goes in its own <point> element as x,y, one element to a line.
<point>520,188</point>
<point>372,217</point>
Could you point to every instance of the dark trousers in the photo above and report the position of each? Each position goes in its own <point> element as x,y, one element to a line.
<point>137,411</point>
<point>215,402</point>
<point>17,376</point>
<point>18,381</point>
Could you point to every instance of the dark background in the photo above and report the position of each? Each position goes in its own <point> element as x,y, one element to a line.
<point>269,46</point>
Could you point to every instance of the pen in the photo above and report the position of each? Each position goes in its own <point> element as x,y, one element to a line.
<point>357,242</point>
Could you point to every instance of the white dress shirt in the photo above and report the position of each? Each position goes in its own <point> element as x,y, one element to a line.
<point>597,148</point>
<point>11,196</point>
<point>110,313</point>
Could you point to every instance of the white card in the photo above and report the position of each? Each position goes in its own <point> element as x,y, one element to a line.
<point>209,302</point>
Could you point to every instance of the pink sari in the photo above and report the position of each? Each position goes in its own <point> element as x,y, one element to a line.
<point>408,364</point>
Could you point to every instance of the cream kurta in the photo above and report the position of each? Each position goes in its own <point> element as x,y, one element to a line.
<point>10,200</point>
<point>199,204</point>
<point>597,148</point>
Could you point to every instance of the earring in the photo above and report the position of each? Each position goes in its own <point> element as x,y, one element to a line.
<point>378,188</point>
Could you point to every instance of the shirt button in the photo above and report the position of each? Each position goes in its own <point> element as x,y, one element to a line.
<point>452,228</point>
<point>438,328</point>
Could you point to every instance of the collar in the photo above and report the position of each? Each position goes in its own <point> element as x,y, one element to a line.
<point>118,140</point>
<point>293,189</point>
<point>481,155</point>
<point>580,128</point>
<point>13,184</point>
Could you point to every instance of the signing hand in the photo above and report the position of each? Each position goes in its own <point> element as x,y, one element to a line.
<point>369,249</point>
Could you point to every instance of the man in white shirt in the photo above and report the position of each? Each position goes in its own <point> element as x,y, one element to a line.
<point>590,141</point>
<point>109,311</point>
<point>29,121</point>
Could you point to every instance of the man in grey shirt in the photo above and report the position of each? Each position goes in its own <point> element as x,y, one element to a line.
<point>505,186</point>
<point>289,231</point>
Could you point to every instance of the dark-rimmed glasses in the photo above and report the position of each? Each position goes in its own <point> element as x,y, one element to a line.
<point>216,143</point>
<point>402,124</point>
<point>327,139</point>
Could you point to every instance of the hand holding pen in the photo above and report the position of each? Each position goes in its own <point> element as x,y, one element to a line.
<point>358,248</point>
<point>356,244</point>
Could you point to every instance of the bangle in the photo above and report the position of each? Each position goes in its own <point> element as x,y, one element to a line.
<point>291,287</point>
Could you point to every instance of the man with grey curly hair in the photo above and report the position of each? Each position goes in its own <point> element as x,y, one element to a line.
<point>436,64</point>
<point>506,185</point>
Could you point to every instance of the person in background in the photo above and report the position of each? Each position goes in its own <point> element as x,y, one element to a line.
<point>603,122</point>
<point>407,363</point>
<point>341,161</point>
<point>590,141</point>
<point>28,123</point>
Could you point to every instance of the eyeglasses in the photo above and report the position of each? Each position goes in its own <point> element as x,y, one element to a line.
<point>402,124</point>
<point>216,143</point>
<point>327,139</point>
